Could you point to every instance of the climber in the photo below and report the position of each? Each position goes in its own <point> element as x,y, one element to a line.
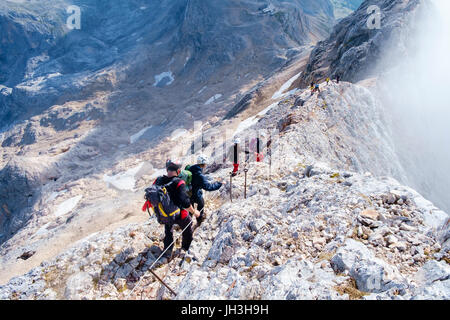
<point>199,183</point>
<point>257,145</point>
<point>317,88</point>
<point>328,80</point>
<point>338,77</point>
<point>233,153</point>
<point>312,88</point>
<point>177,192</point>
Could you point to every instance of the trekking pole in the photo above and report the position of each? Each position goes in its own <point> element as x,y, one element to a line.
<point>231,187</point>
<point>245,183</point>
<point>270,165</point>
<point>162,281</point>
<point>157,259</point>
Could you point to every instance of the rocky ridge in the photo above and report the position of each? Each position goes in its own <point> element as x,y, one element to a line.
<point>353,50</point>
<point>309,231</point>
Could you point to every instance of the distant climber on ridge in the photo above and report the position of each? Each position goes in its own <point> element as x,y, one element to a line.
<point>257,146</point>
<point>171,205</point>
<point>200,182</point>
<point>233,154</point>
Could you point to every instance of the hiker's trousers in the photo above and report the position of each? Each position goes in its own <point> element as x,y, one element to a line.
<point>200,204</point>
<point>186,237</point>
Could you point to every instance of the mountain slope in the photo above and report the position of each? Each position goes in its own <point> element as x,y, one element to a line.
<point>303,233</point>
<point>132,65</point>
<point>194,38</point>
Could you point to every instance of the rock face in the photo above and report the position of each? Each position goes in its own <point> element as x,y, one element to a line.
<point>20,180</point>
<point>353,50</point>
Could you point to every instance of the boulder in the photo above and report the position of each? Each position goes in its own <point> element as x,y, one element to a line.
<point>370,214</point>
<point>79,286</point>
<point>433,271</point>
<point>370,273</point>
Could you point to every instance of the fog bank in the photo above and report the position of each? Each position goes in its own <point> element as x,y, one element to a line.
<point>417,100</point>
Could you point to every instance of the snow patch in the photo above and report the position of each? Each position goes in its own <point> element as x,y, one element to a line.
<point>279,94</point>
<point>247,123</point>
<point>135,137</point>
<point>164,79</point>
<point>42,230</point>
<point>67,206</point>
<point>202,89</point>
<point>54,195</point>
<point>214,98</point>
<point>263,112</point>
<point>125,180</point>
<point>178,133</point>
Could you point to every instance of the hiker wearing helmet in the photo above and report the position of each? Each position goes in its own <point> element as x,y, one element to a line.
<point>200,182</point>
<point>233,154</point>
<point>176,189</point>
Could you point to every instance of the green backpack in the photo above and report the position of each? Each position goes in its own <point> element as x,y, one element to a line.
<point>186,175</point>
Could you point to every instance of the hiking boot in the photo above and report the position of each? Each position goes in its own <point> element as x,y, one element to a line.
<point>167,255</point>
<point>200,220</point>
<point>187,256</point>
<point>190,255</point>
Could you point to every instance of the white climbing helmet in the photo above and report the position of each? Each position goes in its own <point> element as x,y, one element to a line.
<point>236,140</point>
<point>202,159</point>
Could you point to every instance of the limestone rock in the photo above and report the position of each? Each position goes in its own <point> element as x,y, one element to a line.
<point>79,287</point>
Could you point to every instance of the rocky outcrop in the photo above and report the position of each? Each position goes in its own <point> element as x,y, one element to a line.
<point>20,182</point>
<point>354,51</point>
